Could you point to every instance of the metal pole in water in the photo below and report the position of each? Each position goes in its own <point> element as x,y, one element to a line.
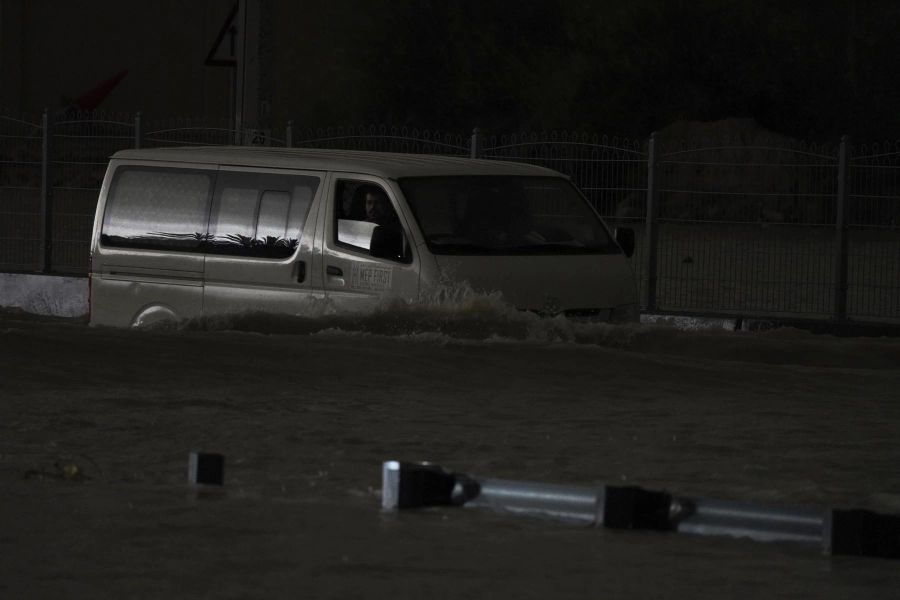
<point>850,532</point>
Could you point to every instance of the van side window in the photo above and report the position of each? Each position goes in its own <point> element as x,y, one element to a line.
<point>259,214</point>
<point>156,208</point>
<point>365,221</point>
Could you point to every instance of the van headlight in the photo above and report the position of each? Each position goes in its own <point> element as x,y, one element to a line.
<point>625,313</point>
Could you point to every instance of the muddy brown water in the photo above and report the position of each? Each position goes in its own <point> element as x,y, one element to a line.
<point>96,426</point>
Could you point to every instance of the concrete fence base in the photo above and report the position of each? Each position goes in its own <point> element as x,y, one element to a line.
<point>45,295</point>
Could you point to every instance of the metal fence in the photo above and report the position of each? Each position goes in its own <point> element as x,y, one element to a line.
<point>764,229</point>
<point>872,241</point>
<point>21,165</point>
<point>747,229</point>
<point>380,139</point>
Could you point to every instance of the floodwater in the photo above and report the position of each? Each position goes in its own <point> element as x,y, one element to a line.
<point>96,426</point>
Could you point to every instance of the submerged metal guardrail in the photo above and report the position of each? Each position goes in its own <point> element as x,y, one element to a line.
<point>852,532</point>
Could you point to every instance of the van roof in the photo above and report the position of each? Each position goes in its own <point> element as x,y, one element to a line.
<point>383,164</point>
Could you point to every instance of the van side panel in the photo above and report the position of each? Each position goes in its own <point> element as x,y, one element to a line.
<point>125,285</point>
<point>146,252</point>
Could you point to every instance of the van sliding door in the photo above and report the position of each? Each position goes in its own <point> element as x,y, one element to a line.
<point>259,246</point>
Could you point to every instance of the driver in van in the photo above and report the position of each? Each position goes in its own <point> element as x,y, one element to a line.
<point>388,236</point>
<point>377,206</point>
<point>498,218</point>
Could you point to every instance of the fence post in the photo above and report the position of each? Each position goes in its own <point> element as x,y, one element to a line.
<point>651,235</point>
<point>137,131</point>
<point>475,146</point>
<point>289,135</point>
<point>46,198</point>
<point>840,234</point>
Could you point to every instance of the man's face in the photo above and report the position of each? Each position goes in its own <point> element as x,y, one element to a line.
<point>374,207</point>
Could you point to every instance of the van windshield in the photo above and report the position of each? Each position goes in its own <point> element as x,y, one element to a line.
<point>505,215</point>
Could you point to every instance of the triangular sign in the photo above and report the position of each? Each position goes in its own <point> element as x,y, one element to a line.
<point>224,50</point>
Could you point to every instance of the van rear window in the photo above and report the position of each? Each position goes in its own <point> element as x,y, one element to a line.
<point>157,208</point>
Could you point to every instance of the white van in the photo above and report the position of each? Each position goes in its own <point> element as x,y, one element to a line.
<point>186,232</point>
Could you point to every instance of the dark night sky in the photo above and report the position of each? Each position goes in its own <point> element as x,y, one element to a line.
<point>808,69</point>
<point>803,68</point>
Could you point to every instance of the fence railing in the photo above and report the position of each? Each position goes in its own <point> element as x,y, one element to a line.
<point>723,227</point>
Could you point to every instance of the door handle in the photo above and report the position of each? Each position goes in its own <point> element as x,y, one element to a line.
<point>301,272</point>
<point>336,271</point>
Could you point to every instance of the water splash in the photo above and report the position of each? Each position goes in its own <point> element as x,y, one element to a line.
<point>456,314</point>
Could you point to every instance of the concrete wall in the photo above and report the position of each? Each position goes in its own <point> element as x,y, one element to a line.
<point>42,295</point>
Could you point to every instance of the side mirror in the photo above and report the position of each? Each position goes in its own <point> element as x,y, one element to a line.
<point>625,239</point>
<point>388,242</point>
